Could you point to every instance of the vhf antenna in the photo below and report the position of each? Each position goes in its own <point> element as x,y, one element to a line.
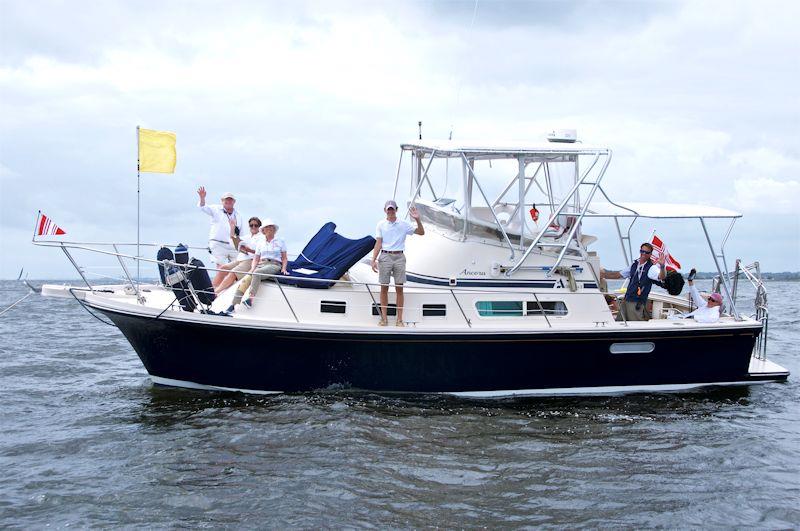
<point>420,130</point>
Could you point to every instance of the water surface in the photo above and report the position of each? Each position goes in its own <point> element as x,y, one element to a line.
<point>87,440</point>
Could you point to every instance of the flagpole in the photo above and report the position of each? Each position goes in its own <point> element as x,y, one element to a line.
<point>38,216</point>
<point>138,204</point>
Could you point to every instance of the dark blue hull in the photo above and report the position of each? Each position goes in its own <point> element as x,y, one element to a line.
<point>292,361</point>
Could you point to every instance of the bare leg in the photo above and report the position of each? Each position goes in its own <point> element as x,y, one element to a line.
<point>384,301</point>
<point>400,302</point>
<point>227,282</point>
<point>218,278</point>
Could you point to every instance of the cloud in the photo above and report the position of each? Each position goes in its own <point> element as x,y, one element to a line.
<point>299,107</point>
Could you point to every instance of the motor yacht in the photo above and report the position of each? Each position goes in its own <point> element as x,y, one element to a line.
<point>504,295</point>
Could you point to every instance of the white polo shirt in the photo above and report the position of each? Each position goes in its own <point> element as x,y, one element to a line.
<point>220,226</point>
<point>249,240</point>
<point>393,234</point>
<point>270,250</point>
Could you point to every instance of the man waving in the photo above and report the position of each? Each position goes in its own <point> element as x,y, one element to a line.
<point>388,258</point>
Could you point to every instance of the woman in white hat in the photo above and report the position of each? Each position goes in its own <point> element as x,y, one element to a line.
<point>270,259</point>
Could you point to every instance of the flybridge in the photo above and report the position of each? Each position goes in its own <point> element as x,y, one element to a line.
<point>532,197</point>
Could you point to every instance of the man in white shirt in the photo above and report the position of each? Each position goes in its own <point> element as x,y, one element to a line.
<point>707,311</point>
<point>219,242</point>
<point>388,258</point>
<point>270,259</point>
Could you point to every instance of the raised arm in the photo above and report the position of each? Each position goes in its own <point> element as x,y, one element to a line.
<point>202,204</point>
<point>415,216</point>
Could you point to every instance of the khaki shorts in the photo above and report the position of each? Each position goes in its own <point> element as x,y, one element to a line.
<point>391,264</point>
<point>242,267</point>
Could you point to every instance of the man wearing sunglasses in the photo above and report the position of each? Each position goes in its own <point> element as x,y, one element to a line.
<point>640,277</point>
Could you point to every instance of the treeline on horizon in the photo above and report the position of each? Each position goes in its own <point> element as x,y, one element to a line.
<point>783,275</point>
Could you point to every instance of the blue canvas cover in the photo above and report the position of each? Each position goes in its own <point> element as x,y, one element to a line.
<point>327,256</point>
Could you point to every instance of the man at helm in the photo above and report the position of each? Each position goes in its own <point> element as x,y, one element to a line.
<point>641,275</point>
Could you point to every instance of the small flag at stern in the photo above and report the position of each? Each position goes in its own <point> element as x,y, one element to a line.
<point>660,247</point>
<point>46,227</point>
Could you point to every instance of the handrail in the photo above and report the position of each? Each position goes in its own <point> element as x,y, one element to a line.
<point>556,212</point>
<point>462,290</point>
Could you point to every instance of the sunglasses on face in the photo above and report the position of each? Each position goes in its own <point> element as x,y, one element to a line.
<point>255,225</point>
<point>642,251</point>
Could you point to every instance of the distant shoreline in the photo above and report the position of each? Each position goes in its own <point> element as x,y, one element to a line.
<point>784,275</point>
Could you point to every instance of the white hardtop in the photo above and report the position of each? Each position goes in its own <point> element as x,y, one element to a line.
<point>658,210</point>
<point>444,148</point>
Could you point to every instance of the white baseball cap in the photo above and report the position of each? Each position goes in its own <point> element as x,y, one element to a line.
<point>227,195</point>
<point>390,203</point>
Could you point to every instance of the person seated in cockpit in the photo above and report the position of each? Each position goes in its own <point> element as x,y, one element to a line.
<point>246,244</point>
<point>707,311</point>
<point>270,259</point>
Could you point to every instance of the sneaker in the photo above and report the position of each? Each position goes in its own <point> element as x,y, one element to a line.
<point>692,274</point>
<point>230,309</point>
<point>248,303</point>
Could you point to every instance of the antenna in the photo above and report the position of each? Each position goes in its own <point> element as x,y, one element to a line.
<point>420,130</point>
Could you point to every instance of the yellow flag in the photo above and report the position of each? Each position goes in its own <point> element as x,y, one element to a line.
<point>157,151</point>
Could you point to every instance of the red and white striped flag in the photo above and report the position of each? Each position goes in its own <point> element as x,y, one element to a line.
<point>46,227</point>
<point>658,248</point>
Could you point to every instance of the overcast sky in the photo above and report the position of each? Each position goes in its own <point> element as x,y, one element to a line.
<point>299,109</point>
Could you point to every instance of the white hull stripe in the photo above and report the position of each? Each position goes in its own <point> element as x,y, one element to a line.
<point>555,391</point>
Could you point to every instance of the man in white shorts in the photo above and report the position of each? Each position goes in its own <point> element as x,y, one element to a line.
<point>219,241</point>
<point>388,258</point>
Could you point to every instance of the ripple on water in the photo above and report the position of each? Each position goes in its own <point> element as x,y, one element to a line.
<point>87,441</point>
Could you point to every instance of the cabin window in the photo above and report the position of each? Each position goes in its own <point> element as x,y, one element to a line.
<point>549,308</point>
<point>499,308</point>
<point>520,308</point>
<point>391,309</point>
<point>434,310</point>
<point>333,307</point>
